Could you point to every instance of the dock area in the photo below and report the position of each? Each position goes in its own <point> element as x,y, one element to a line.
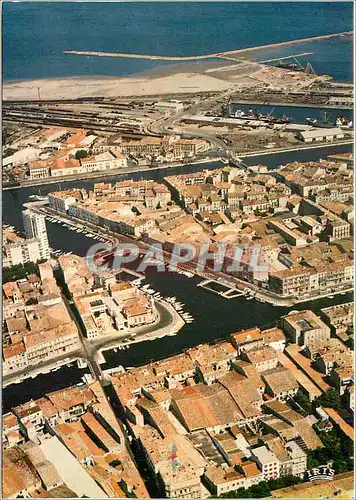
<point>218,288</point>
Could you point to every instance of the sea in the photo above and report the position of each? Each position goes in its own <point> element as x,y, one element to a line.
<point>36,34</point>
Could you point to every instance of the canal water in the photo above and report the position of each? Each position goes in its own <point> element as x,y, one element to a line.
<point>214,317</point>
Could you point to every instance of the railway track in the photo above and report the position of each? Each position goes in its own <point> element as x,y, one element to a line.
<point>75,123</point>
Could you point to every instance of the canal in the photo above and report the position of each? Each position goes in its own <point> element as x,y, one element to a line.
<point>214,317</point>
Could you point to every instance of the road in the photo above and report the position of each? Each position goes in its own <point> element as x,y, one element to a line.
<point>89,350</point>
<point>164,125</point>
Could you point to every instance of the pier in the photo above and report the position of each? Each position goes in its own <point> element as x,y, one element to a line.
<point>218,288</point>
<point>216,55</point>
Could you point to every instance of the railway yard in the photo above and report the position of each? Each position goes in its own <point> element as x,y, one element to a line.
<point>205,113</point>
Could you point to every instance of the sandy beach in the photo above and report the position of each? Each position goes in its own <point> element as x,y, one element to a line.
<point>173,79</point>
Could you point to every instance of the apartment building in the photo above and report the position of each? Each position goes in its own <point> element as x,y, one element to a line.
<point>39,169</point>
<point>340,317</point>
<point>105,161</point>
<point>304,279</point>
<point>35,227</point>
<point>337,228</point>
<point>38,326</point>
<point>22,251</point>
<point>267,462</point>
<point>223,480</point>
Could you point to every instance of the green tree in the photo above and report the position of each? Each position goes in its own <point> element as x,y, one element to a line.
<point>19,271</point>
<point>302,404</point>
<point>329,399</point>
<point>264,488</point>
<point>81,153</point>
<point>336,447</point>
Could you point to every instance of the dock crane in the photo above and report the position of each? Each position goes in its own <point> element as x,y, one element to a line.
<point>309,69</point>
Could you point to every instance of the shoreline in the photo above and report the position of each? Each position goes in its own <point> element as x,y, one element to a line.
<point>131,170</point>
<point>111,343</point>
<point>256,292</point>
<point>110,173</point>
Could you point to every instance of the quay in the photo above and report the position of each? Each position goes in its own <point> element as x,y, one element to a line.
<point>225,291</point>
<point>254,291</point>
<point>91,352</point>
<point>107,173</point>
<point>289,104</point>
<point>206,56</point>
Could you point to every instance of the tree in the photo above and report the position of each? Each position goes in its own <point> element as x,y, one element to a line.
<point>336,447</point>
<point>329,399</point>
<point>264,488</point>
<point>81,153</point>
<point>302,401</point>
<point>19,271</point>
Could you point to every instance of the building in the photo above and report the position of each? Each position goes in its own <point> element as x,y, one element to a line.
<point>342,486</point>
<point>22,156</point>
<point>320,135</point>
<point>340,317</point>
<point>252,473</point>
<point>170,105</point>
<point>223,479</point>
<point>62,200</point>
<point>38,326</point>
<point>19,477</point>
<point>65,166</point>
<point>305,327</point>
<point>293,460</point>
<point>35,227</point>
<point>70,470</point>
<point>267,462</point>
<point>337,228</point>
<point>280,383</point>
<point>39,169</point>
<point>104,161</point>
<point>311,276</point>
<point>263,358</point>
<point>25,250</point>
<point>341,100</point>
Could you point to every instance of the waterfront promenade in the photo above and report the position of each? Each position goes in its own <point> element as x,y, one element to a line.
<point>264,295</point>
<point>107,173</point>
<point>168,323</point>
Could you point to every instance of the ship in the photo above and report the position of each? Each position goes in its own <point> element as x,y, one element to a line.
<point>285,65</point>
<point>35,197</point>
<point>325,122</point>
<point>343,122</point>
<point>251,115</point>
<point>320,123</point>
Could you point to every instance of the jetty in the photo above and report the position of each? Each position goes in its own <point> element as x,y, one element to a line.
<point>221,289</point>
<point>215,55</point>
